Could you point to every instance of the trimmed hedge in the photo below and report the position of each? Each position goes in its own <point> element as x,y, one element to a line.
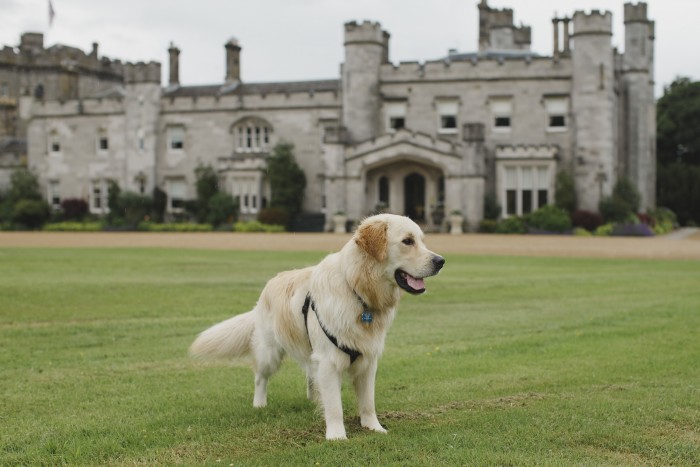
<point>174,227</point>
<point>256,226</point>
<point>69,226</point>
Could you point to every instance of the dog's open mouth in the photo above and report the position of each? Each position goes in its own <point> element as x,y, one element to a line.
<point>410,284</point>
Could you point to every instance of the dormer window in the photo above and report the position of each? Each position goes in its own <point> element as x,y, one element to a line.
<point>252,135</point>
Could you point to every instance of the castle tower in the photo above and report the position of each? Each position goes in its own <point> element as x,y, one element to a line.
<point>639,132</point>
<point>593,107</point>
<point>366,48</point>
<point>142,112</point>
<point>498,32</point>
<point>233,61</point>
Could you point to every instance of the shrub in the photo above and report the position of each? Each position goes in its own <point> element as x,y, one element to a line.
<point>74,209</point>
<point>160,202</point>
<point>222,209</point>
<point>511,225</point>
<point>488,226</point>
<point>614,209</point>
<point>581,232</point>
<point>24,184</point>
<point>603,230</point>
<point>565,192</point>
<point>273,216</point>
<point>73,227</point>
<point>627,192</point>
<point>492,210</point>
<point>586,219</point>
<point>133,207</point>
<point>632,230</point>
<point>550,219</point>
<point>256,226</point>
<point>664,220</point>
<point>31,213</point>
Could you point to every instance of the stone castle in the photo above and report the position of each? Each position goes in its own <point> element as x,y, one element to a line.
<point>415,138</point>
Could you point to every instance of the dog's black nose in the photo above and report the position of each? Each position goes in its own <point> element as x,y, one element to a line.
<point>438,262</point>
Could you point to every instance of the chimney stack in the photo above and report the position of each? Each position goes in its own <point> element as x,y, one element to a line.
<point>233,61</point>
<point>174,53</point>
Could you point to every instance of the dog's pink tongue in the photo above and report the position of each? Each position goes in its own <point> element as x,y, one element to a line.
<point>416,284</point>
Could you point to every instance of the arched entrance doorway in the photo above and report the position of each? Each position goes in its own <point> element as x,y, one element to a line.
<point>414,196</point>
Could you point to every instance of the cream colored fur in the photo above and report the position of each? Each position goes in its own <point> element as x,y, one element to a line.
<point>365,266</point>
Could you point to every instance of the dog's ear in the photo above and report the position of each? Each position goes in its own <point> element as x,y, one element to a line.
<point>371,238</point>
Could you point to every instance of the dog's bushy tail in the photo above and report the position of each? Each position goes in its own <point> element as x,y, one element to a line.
<point>228,339</point>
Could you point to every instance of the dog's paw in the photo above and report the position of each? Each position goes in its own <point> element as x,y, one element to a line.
<point>335,435</point>
<point>373,425</point>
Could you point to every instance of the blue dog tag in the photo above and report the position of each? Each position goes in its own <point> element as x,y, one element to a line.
<point>367,317</point>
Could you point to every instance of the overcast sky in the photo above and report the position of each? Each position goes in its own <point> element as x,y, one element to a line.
<point>288,40</point>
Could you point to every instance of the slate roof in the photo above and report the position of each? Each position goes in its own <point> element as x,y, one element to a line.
<point>289,87</point>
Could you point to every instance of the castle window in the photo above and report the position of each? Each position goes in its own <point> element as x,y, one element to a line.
<point>176,138</point>
<point>102,143</point>
<point>54,143</point>
<point>384,191</point>
<point>54,194</point>
<point>98,196</point>
<point>176,190</point>
<point>395,116</point>
<point>447,113</point>
<point>501,110</point>
<point>4,90</point>
<point>525,188</point>
<point>557,110</point>
<point>252,135</point>
<point>247,191</point>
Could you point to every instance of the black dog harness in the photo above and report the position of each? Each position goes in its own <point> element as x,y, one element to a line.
<point>352,353</point>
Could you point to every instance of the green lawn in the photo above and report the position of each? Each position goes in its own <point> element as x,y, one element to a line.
<point>510,361</point>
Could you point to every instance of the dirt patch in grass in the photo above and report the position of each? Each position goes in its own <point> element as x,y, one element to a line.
<point>477,244</point>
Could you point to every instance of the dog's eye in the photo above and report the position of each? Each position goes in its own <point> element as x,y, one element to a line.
<point>408,241</point>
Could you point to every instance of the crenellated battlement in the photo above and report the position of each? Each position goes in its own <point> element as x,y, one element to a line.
<point>365,32</point>
<point>636,12</point>
<point>526,67</point>
<point>142,72</point>
<point>595,22</point>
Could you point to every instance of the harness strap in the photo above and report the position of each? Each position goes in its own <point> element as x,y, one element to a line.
<point>352,353</point>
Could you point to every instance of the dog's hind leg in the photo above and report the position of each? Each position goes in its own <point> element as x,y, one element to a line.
<point>267,356</point>
<point>363,379</point>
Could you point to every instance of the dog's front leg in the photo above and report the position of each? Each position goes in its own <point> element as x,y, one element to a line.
<point>329,379</point>
<point>363,380</point>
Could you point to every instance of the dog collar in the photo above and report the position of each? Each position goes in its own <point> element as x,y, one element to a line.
<point>367,314</point>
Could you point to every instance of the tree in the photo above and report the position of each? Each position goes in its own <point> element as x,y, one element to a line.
<point>287,180</point>
<point>678,119</point>
<point>207,185</point>
<point>24,184</point>
<point>565,192</point>
<point>678,150</point>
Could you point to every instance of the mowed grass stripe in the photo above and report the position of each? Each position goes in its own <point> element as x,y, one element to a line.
<point>504,361</point>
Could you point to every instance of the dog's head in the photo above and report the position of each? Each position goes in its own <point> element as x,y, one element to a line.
<point>396,243</point>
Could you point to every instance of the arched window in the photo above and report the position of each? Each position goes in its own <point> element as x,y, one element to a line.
<point>252,135</point>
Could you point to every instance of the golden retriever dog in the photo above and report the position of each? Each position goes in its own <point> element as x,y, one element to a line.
<point>331,318</point>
